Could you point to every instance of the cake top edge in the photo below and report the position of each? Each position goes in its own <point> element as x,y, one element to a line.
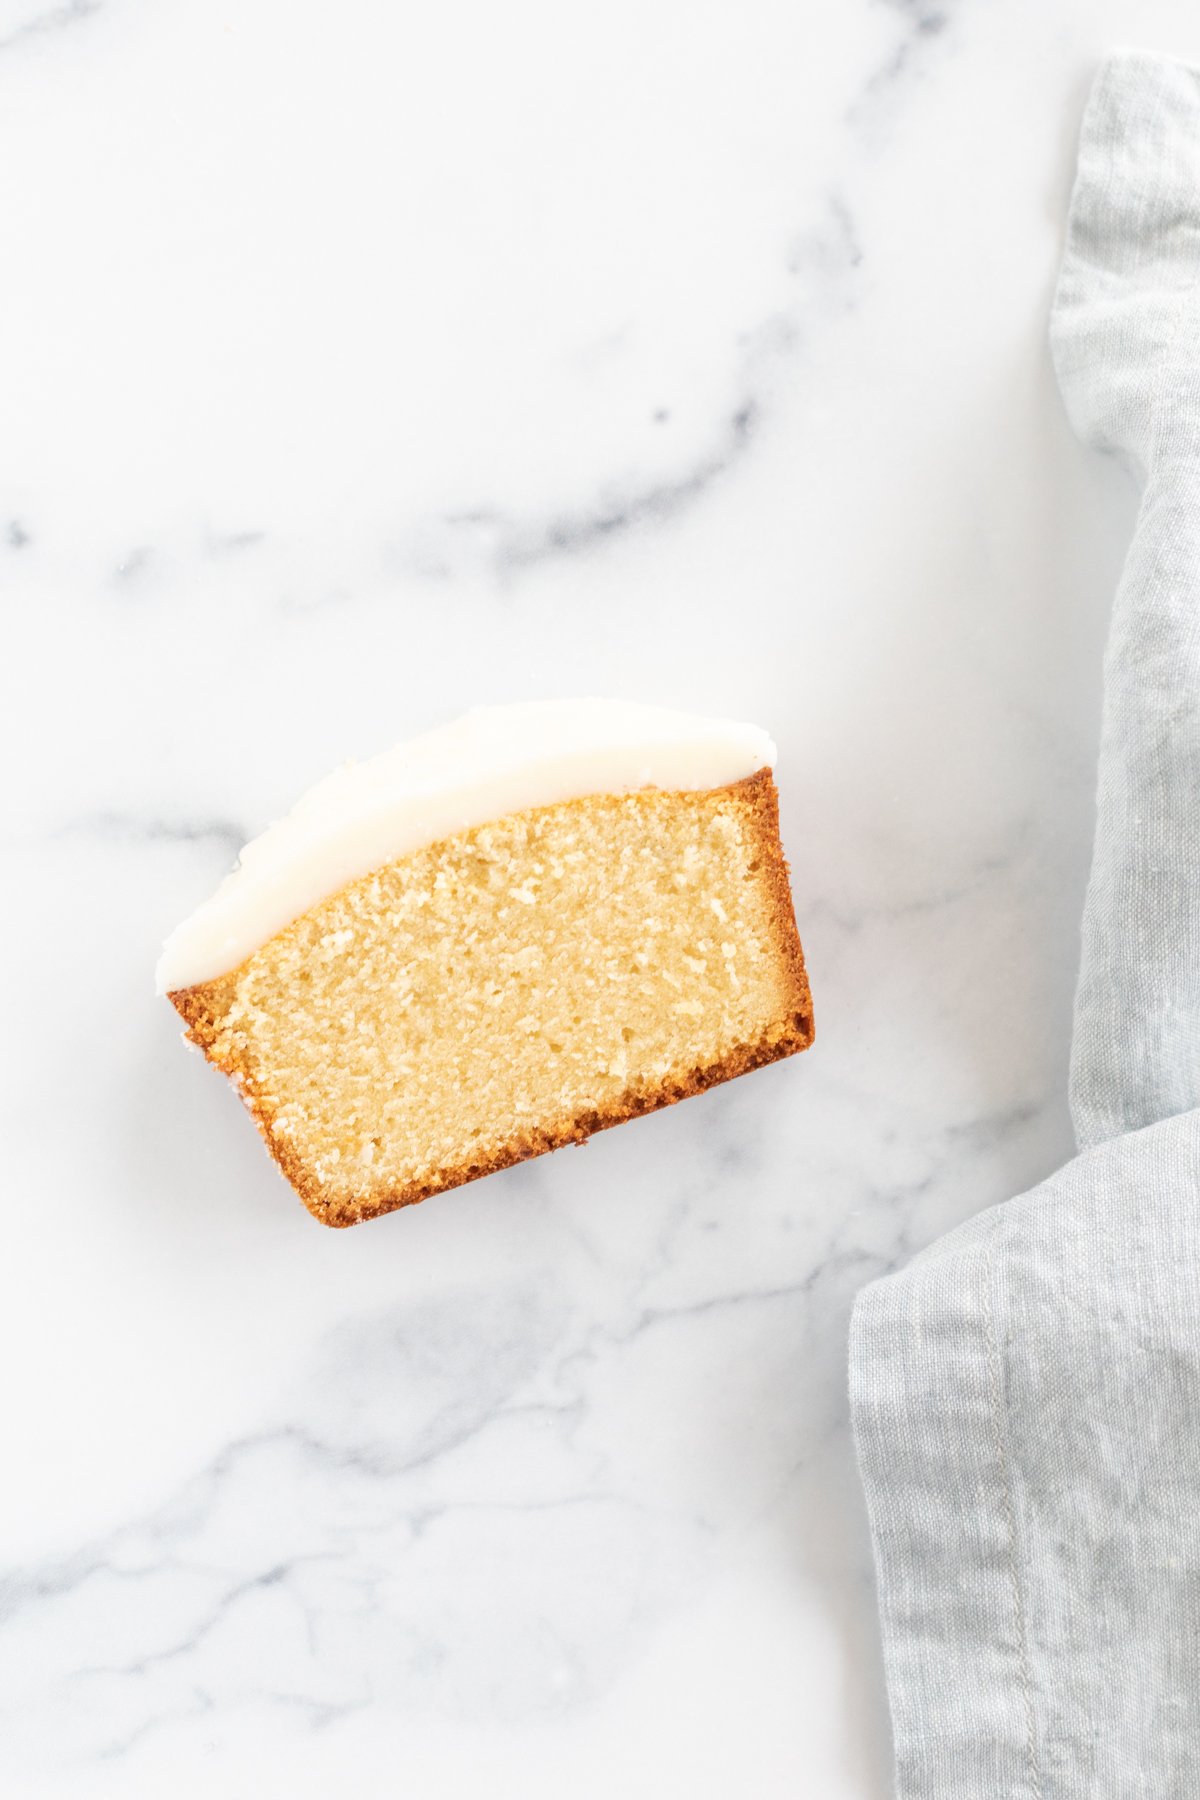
<point>489,762</point>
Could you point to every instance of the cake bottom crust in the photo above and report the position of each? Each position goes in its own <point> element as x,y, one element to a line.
<point>633,1104</point>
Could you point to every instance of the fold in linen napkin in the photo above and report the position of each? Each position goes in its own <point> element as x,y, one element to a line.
<point>1026,1393</point>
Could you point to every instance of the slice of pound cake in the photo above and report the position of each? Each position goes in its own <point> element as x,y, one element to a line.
<point>494,940</point>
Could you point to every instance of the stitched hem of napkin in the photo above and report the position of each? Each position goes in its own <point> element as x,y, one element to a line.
<point>998,1402</point>
<point>929,1411</point>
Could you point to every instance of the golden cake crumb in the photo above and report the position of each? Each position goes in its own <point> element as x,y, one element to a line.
<point>512,989</point>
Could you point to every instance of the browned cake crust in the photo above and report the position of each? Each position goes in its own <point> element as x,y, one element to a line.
<point>203,1008</point>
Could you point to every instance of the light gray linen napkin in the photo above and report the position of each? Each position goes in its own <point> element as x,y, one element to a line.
<point>1026,1393</point>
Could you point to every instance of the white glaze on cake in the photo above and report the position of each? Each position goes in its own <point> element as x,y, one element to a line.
<point>492,761</point>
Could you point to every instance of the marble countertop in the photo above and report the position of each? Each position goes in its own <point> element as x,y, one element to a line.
<point>357,365</point>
